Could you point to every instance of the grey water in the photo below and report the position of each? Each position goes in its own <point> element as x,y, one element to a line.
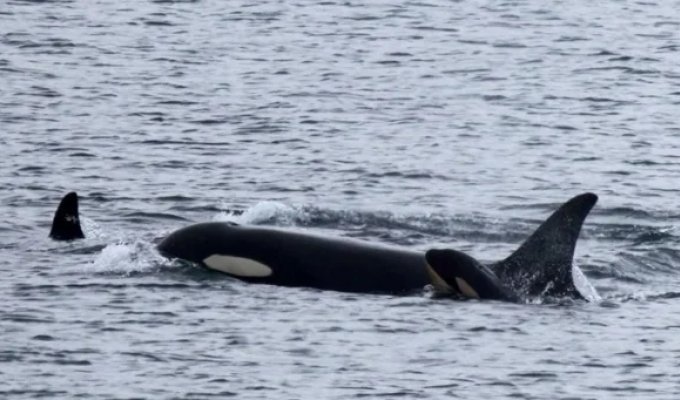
<point>414,123</point>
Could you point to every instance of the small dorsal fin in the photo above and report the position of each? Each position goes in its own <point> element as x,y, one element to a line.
<point>543,263</point>
<point>66,222</point>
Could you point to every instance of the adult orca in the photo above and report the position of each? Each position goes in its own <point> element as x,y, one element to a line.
<point>542,266</point>
<point>66,222</point>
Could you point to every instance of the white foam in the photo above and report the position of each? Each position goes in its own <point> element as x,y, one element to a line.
<point>126,258</point>
<point>265,211</point>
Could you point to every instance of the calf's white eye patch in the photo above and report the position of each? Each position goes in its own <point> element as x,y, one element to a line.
<point>237,266</point>
<point>439,284</point>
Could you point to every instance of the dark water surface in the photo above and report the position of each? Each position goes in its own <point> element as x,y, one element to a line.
<point>417,124</point>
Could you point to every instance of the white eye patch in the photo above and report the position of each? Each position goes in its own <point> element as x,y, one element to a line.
<point>439,284</point>
<point>443,287</point>
<point>237,266</point>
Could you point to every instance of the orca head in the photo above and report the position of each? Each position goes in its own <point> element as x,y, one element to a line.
<point>66,221</point>
<point>195,242</point>
<point>455,273</point>
<point>215,245</point>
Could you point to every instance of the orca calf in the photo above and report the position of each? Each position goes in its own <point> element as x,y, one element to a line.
<point>542,266</point>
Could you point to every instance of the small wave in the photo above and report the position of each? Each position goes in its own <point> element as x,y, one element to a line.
<point>92,249</point>
<point>174,1</point>
<point>650,264</point>
<point>194,144</point>
<point>107,285</point>
<point>626,212</point>
<point>664,296</point>
<point>642,296</point>
<point>637,234</point>
<point>146,216</point>
<point>34,393</point>
<point>266,212</point>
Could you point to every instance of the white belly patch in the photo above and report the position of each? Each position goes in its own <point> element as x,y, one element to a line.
<point>237,266</point>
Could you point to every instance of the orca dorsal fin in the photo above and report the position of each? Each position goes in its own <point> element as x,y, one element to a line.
<point>66,222</point>
<point>543,263</point>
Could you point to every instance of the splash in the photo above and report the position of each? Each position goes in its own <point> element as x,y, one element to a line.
<point>126,258</point>
<point>266,212</point>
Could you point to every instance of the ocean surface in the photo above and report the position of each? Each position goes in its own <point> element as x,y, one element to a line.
<point>416,124</point>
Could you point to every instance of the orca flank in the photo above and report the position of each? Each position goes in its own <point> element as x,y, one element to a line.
<point>66,222</point>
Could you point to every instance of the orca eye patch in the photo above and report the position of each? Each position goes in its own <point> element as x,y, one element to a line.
<point>237,266</point>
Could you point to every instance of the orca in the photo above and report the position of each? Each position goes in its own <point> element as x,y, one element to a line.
<point>66,221</point>
<point>542,266</point>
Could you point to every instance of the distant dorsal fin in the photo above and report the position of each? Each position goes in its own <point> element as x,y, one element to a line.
<point>543,263</point>
<point>66,222</point>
